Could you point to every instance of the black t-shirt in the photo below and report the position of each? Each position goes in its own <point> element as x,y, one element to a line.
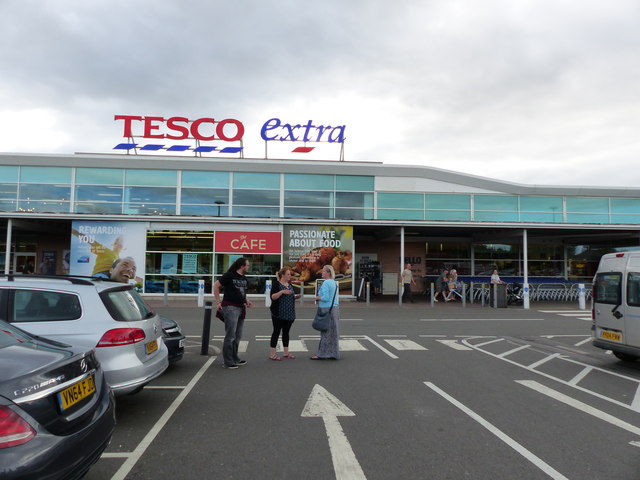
<point>235,287</point>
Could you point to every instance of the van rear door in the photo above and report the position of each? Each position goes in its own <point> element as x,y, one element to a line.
<point>632,315</point>
<point>608,309</point>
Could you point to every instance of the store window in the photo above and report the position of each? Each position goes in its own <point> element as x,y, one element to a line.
<point>447,254</point>
<point>205,194</point>
<point>8,188</point>
<point>261,269</point>
<point>448,207</point>
<point>293,181</point>
<point>182,258</point>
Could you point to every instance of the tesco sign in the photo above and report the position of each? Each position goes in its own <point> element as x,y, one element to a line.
<point>181,128</point>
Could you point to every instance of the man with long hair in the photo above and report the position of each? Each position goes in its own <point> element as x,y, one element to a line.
<point>233,307</point>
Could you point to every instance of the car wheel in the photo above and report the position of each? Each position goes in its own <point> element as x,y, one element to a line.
<point>625,356</point>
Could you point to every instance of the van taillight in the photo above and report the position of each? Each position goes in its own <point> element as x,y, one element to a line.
<point>14,430</point>
<point>619,255</point>
<point>121,336</point>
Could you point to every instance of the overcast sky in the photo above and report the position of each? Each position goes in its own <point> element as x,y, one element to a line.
<point>529,91</point>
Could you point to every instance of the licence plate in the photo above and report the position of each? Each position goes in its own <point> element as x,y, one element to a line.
<point>76,392</point>
<point>181,343</point>
<point>615,336</point>
<point>152,346</point>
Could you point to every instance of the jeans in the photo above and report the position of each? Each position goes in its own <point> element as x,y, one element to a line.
<point>232,334</point>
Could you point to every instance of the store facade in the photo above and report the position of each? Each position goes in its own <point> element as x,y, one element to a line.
<point>185,219</point>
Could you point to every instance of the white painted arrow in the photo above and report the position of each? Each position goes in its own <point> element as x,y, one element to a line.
<point>322,404</point>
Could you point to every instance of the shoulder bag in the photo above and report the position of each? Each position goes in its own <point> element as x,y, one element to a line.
<point>322,320</point>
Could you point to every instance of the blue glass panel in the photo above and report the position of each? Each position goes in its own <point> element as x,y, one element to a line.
<point>45,174</point>
<point>541,217</point>
<point>631,219</point>
<point>178,148</point>
<point>149,209</point>
<point>150,194</point>
<point>587,205</point>
<point>7,205</point>
<point>354,213</point>
<point>496,216</point>
<point>43,206</point>
<point>504,203</point>
<point>308,199</point>
<point>625,205</point>
<point>205,179</point>
<point>256,197</point>
<point>267,212</point>
<point>165,178</point>
<point>8,174</point>
<point>97,207</point>
<point>294,181</point>
<point>298,212</point>
<point>205,149</point>
<point>97,193</point>
<point>152,147</point>
<point>9,190</point>
<point>541,204</point>
<point>205,210</point>
<point>205,195</point>
<point>125,146</point>
<point>231,150</point>
<point>454,215</point>
<point>400,200</point>
<point>587,218</point>
<point>355,183</point>
<point>448,201</point>
<point>99,176</point>
<point>384,214</point>
<point>354,199</point>
<point>31,191</point>
<point>256,180</point>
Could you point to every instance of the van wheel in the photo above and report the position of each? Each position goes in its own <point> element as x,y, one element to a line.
<point>625,356</point>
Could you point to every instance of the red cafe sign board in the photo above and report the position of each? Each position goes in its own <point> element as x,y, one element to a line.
<point>248,242</point>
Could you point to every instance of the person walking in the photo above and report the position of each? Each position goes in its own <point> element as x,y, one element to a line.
<point>407,281</point>
<point>442,286</point>
<point>283,312</point>
<point>233,307</point>
<point>328,297</point>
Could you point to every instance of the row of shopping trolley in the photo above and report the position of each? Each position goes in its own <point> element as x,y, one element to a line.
<point>538,292</point>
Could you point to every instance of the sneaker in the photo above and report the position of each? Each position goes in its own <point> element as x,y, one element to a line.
<point>230,367</point>
<point>241,362</point>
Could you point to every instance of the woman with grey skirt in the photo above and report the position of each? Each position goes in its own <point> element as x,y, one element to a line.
<point>327,297</point>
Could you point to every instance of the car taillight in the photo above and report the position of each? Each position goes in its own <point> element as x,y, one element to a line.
<point>14,430</point>
<point>121,336</point>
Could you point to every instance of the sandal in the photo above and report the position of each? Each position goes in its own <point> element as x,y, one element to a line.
<point>315,357</point>
<point>289,356</point>
<point>275,358</point>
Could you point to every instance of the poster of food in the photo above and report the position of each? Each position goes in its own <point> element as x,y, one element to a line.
<point>306,249</point>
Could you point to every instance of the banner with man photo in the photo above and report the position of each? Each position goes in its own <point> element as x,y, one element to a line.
<point>95,246</point>
<point>306,249</point>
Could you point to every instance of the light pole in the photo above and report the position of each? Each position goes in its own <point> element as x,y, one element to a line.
<point>218,203</point>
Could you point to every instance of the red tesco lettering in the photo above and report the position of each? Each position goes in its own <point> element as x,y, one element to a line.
<point>228,130</point>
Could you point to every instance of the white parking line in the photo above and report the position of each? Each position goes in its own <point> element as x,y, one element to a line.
<point>572,402</point>
<point>454,344</point>
<point>133,458</point>
<point>482,319</point>
<point>405,345</point>
<point>537,461</point>
<point>514,350</point>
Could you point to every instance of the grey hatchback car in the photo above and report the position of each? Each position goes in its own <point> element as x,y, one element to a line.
<point>107,316</point>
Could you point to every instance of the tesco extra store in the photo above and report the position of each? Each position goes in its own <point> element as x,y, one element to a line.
<point>185,219</point>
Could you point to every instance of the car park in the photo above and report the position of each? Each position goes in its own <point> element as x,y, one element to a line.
<point>56,409</point>
<point>95,313</point>
<point>173,338</point>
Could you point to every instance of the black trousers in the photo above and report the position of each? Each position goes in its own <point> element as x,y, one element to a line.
<point>280,325</point>
<point>407,294</point>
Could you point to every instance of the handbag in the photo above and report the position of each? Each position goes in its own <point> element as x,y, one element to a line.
<point>322,320</point>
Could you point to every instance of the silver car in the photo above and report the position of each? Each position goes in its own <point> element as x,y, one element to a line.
<point>108,316</point>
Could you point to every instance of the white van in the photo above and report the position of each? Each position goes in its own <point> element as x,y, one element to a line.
<point>616,305</point>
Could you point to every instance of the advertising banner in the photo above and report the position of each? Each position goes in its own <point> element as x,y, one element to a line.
<point>248,242</point>
<point>95,246</point>
<point>307,249</point>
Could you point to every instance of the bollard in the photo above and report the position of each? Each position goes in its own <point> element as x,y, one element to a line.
<point>581,297</point>
<point>400,291</point>
<point>200,293</point>
<point>471,293</point>
<point>368,293</point>
<point>432,294</point>
<point>464,295</point>
<point>495,295</point>
<point>482,287</point>
<point>525,296</point>
<point>267,293</point>
<point>206,329</point>
<point>166,292</point>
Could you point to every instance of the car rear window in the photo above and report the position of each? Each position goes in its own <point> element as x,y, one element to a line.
<point>125,305</point>
<point>41,306</point>
<point>606,288</point>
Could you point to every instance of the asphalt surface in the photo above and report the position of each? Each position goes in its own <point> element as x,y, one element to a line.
<point>426,393</point>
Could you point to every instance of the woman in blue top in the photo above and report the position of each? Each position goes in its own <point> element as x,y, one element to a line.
<point>328,292</point>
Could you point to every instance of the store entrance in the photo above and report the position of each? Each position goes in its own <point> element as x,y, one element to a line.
<point>21,260</point>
